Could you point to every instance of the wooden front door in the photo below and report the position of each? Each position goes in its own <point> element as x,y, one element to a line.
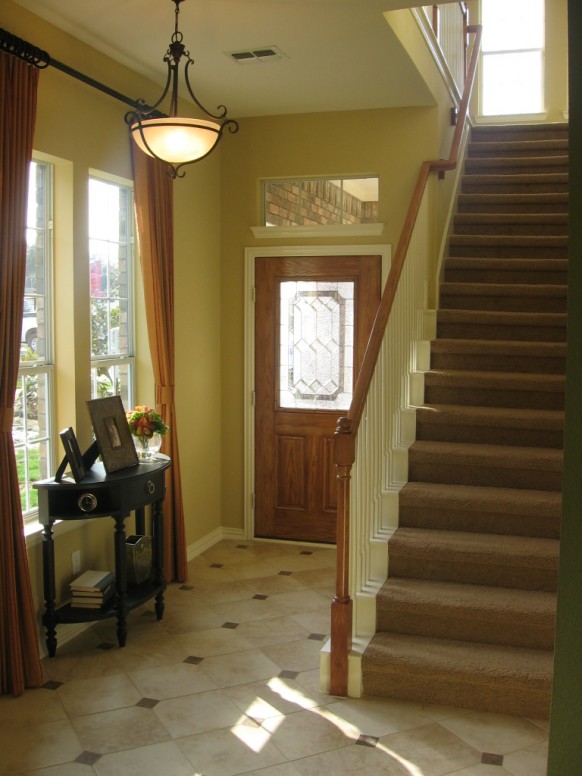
<point>313,316</point>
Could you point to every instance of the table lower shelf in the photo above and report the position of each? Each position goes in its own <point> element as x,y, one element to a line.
<point>135,596</point>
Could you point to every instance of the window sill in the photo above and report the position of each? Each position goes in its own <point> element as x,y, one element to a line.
<point>511,118</point>
<point>336,230</point>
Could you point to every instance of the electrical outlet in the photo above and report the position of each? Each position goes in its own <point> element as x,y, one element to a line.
<point>76,561</point>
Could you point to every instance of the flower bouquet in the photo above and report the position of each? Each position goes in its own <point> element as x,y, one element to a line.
<point>147,428</point>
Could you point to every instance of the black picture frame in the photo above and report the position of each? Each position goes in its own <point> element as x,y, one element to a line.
<point>73,456</point>
<point>112,433</point>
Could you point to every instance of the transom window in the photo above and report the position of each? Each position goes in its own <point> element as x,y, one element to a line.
<point>513,57</point>
<point>111,240</point>
<point>320,201</point>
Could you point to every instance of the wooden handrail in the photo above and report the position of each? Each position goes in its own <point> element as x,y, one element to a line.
<point>345,435</point>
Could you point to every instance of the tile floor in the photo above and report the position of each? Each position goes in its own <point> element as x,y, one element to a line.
<point>228,683</point>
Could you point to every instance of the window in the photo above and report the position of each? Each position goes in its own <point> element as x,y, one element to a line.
<point>320,201</point>
<point>513,57</point>
<point>32,427</point>
<point>111,289</point>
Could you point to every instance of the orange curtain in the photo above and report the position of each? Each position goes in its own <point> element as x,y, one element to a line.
<point>155,223</point>
<point>18,636</point>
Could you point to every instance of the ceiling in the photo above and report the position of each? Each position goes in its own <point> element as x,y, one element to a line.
<point>335,54</point>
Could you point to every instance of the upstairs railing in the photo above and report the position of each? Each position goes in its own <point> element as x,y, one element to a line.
<point>449,23</point>
<point>346,436</point>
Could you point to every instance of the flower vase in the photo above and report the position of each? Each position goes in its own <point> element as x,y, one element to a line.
<point>147,447</point>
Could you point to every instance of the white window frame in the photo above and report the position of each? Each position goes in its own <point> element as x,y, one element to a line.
<point>111,360</point>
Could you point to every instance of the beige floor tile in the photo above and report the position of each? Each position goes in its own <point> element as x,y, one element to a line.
<point>304,601</point>
<point>379,716</point>
<point>431,748</point>
<point>531,761</point>
<point>285,769</point>
<point>275,584</point>
<point>497,733</point>
<point>141,653</point>
<point>219,593</point>
<point>52,743</point>
<point>171,681</point>
<point>112,731</point>
<point>314,621</point>
<point>360,760</point>
<point>317,579</point>
<point>483,770</point>
<point>215,641</point>
<point>300,562</point>
<point>88,696</point>
<point>247,611</point>
<point>31,708</point>
<point>165,758</point>
<point>65,769</point>
<point>190,617</point>
<point>240,667</point>
<point>271,698</point>
<point>302,655</point>
<point>193,714</point>
<point>229,752</point>
<point>262,633</point>
<point>309,732</point>
<point>260,568</point>
<point>310,682</point>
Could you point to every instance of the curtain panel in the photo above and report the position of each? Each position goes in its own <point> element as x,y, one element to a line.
<point>20,662</point>
<point>155,224</point>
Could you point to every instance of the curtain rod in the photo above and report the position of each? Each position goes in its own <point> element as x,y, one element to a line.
<point>35,56</point>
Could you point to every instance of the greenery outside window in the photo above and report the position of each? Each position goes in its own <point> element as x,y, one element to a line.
<point>320,201</point>
<point>111,241</point>
<point>32,426</point>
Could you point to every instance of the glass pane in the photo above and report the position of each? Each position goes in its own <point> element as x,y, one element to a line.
<point>512,83</point>
<point>510,26</point>
<point>112,379</point>
<point>32,465</point>
<point>316,345</point>
<point>321,202</point>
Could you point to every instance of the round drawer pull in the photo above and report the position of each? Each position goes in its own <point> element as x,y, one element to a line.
<point>150,487</point>
<point>87,502</point>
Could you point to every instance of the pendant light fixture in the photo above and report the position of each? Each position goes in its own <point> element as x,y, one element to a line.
<point>176,140</point>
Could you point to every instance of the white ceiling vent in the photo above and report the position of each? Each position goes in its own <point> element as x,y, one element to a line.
<point>248,56</point>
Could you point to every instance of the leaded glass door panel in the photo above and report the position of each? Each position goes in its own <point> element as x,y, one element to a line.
<point>312,321</point>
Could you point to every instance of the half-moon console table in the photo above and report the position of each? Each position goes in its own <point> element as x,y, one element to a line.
<point>97,495</point>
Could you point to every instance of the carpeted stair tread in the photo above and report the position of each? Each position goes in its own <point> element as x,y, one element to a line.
<point>536,148</point>
<point>479,676</point>
<point>445,506</point>
<point>508,561</point>
<point>464,463</point>
<point>501,325</point>
<point>511,297</point>
<point>517,164</point>
<point>508,270</point>
<point>508,246</point>
<point>446,610</point>
<point>490,425</point>
<point>521,202</point>
<point>506,381</point>
<point>511,223</point>
<point>508,133</point>
<point>498,356</point>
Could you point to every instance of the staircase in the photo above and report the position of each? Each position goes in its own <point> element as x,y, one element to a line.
<point>466,616</point>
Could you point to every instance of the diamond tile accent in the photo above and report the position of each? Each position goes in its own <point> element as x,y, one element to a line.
<point>147,703</point>
<point>316,636</point>
<point>186,587</point>
<point>306,552</point>
<point>88,758</point>
<point>51,685</point>
<point>106,645</point>
<point>242,547</point>
<point>370,741</point>
<point>288,674</point>
<point>230,625</point>
<point>285,573</point>
<point>489,758</point>
<point>216,565</point>
<point>194,660</point>
<point>260,597</point>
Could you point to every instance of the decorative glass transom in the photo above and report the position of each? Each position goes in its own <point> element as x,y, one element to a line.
<point>316,345</point>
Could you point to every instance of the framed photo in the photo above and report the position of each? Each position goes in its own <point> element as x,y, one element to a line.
<point>112,433</point>
<point>73,456</point>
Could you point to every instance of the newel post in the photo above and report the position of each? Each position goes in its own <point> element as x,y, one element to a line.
<point>341,607</point>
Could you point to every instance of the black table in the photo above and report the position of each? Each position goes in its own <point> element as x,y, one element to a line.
<point>97,495</point>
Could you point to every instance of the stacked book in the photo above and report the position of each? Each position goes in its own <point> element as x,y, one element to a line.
<point>93,589</point>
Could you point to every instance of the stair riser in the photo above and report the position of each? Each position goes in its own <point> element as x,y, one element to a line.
<point>486,627</point>
<point>536,524</point>
<point>512,229</point>
<point>486,475</point>
<point>475,362</point>
<point>488,435</point>
<point>509,134</point>
<point>477,204</point>
<point>481,186</point>
<point>509,166</point>
<point>462,248</point>
<point>517,303</point>
<point>494,332</point>
<point>468,274</point>
<point>479,396</point>
<point>498,697</point>
<point>540,150</point>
